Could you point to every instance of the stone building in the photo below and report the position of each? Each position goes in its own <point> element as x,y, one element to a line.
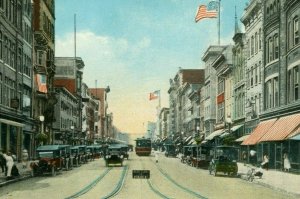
<point>177,98</point>
<point>281,63</point>
<point>101,95</point>
<point>17,126</point>
<point>210,88</point>
<point>44,69</point>
<point>163,122</point>
<point>66,116</point>
<point>253,22</point>
<point>69,75</point>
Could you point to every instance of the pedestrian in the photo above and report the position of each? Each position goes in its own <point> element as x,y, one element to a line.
<point>9,163</point>
<point>24,158</point>
<point>2,162</point>
<point>265,163</point>
<point>244,156</point>
<point>156,156</point>
<point>286,162</point>
<point>252,156</point>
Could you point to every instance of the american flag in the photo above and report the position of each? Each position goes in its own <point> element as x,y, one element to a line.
<point>154,95</point>
<point>41,83</point>
<point>209,11</point>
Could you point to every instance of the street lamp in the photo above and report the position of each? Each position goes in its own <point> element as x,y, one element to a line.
<point>42,119</point>
<point>72,128</point>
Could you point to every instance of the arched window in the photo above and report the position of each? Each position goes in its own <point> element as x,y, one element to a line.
<point>270,47</point>
<point>296,30</point>
<point>256,42</point>
<point>259,39</point>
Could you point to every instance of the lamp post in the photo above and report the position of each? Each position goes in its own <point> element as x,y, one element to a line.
<point>72,128</point>
<point>42,119</point>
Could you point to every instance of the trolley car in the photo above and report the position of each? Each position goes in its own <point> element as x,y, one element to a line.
<point>143,146</point>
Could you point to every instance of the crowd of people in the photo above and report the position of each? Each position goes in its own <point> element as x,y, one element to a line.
<point>8,164</point>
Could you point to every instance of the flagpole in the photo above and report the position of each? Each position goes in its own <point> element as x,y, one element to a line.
<point>219,22</point>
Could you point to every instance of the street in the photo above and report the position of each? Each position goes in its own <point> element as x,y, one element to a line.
<point>169,178</point>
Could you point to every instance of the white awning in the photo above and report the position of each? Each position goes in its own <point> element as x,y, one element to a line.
<point>12,123</point>
<point>214,134</point>
<point>234,128</point>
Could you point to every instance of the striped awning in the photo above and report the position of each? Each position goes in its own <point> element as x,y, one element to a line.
<point>282,128</point>
<point>259,132</point>
<point>214,134</point>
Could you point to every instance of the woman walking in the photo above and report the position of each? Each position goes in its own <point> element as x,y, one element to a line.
<point>286,162</point>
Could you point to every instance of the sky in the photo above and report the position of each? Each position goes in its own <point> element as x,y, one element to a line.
<point>136,46</point>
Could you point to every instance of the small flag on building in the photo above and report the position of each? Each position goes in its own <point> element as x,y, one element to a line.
<point>154,95</point>
<point>41,81</point>
<point>209,11</point>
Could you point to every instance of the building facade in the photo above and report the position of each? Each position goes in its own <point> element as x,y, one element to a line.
<point>17,126</point>
<point>253,22</point>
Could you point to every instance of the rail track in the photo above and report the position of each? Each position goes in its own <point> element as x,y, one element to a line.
<point>99,179</point>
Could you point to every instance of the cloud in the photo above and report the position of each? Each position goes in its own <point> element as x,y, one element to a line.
<point>112,61</point>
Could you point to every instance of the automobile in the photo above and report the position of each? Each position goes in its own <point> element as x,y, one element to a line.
<point>49,160</point>
<point>114,155</point>
<point>170,149</point>
<point>124,150</point>
<point>83,157</point>
<point>224,160</point>
<point>67,157</point>
<point>76,156</point>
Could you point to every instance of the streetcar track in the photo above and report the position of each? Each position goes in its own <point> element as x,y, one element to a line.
<point>120,184</point>
<point>90,185</point>
<point>178,185</point>
<point>156,191</point>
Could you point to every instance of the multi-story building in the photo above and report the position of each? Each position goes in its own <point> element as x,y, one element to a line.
<point>66,117</point>
<point>239,83</point>
<point>223,67</point>
<point>90,117</point>
<point>101,95</point>
<point>210,88</point>
<point>16,123</point>
<point>177,99</point>
<point>281,47</point>
<point>44,68</point>
<point>163,122</point>
<point>253,22</point>
<point>69,75</point>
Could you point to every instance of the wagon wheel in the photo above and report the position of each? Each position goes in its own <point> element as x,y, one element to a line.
<point>53,171</point>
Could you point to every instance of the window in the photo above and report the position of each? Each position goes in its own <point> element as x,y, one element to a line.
<point>259,39</point>
<point>251,77</point>
<point>296,83</point>
<point>259,71</point>
<point>252,45</point>
<point>256,75</point>
<point>256,42</point>
<point>289,36</point>
<point>276,92</point>
<point>270,47</point>
<point>276,47</point>
<point>296,30</point>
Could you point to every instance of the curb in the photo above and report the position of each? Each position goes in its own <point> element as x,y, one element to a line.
<point>21,178</point>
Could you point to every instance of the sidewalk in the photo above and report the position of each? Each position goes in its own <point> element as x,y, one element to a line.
<point>278,180</point>
<point>24,174</point>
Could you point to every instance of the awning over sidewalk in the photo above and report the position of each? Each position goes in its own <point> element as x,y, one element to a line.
<point>259,132</point>
<point>234,128</point>
<point>296,137</point>
<point>12,123</point>
<point>282,128</point>
<point>214,134</point>
<point>241,139</point>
